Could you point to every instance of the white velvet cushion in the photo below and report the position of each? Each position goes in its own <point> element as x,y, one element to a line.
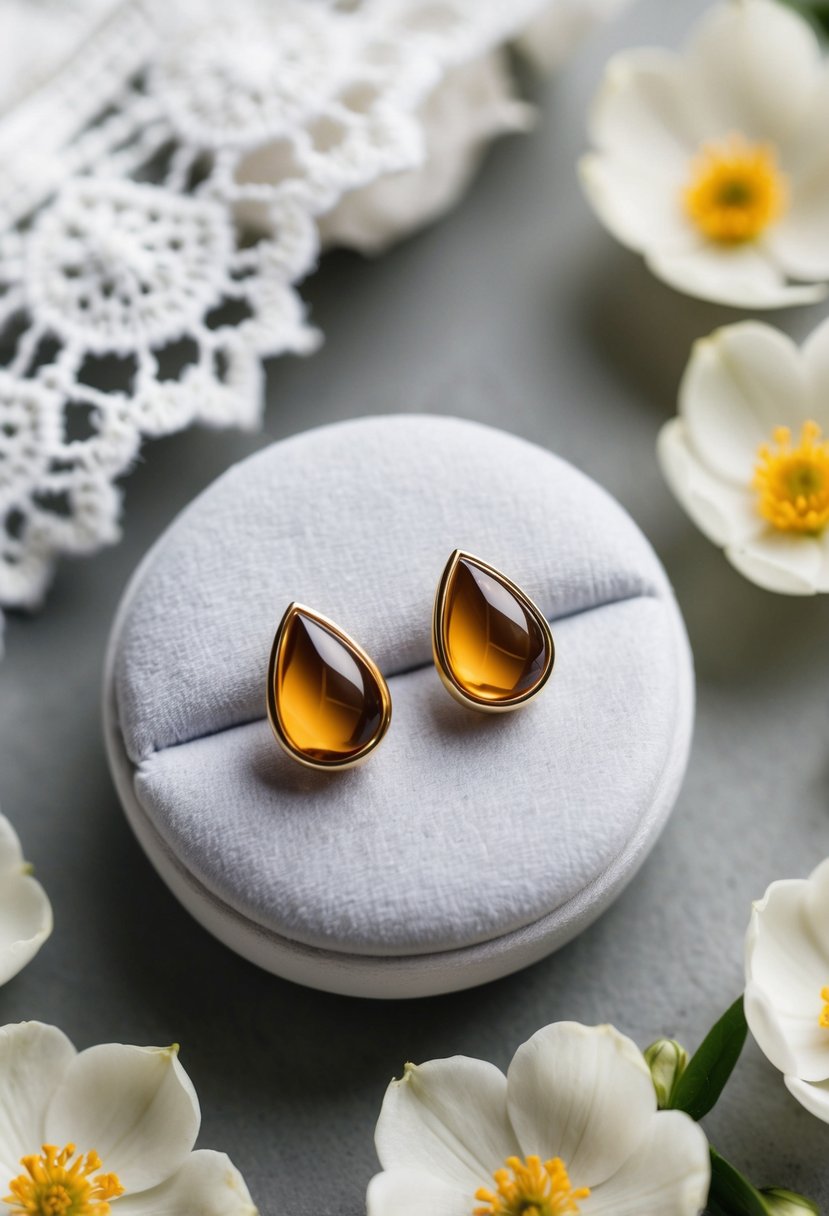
<point>461,828</point>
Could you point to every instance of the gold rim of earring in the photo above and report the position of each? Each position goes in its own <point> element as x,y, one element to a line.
<point>535,667</point>
<point>310,720</point>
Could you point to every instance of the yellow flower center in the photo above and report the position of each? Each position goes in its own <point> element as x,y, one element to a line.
<point>823,1020</point>
<point>736,190</point>
<point>55,1185</point>
<point>530,1188</point>
<point>793,483</point>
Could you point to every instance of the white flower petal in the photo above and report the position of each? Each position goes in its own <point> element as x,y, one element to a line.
<point>668,1175</point>
<point>807,147</point>
<point>25,922</point>
<point>413,1193</point>
<point>780,561</point>
<point>25,911</point>
<point>583,1094</point>
<point>447,1118</point>
<point>11,854</point>
<point>816,906</point>
<point>135,1106</point>
<point>741,276</point>
<point>642,113</point>
<point>822,576</point>
<point>782,958</point>
<point>807,1042</point>
<point>640,207</point>
<point>799,241</point>
<point>752,68</point>
<point>758,66</point>
<point>722,513</point>
<point>815,1098</point>
<point>740,384</point>
<point>207,1184</point>
<point>786,969</point>
<point>33,1060</point>
<point>766,1027</point>
<point>815,355</point>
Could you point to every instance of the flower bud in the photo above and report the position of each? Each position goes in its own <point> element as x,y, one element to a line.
<point>667,1060</point>
<point>786,1203</point>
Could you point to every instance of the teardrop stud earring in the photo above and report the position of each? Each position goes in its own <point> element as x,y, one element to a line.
<point>493,647</point>
<point>328,704</point>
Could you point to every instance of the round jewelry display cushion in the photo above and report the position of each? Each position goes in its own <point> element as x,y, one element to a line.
<point>468,845</point>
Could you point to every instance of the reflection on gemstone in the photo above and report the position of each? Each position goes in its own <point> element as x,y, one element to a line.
<point>329,703</point>
<point>495,644</point>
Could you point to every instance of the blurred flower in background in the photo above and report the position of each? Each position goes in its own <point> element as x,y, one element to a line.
<point>714,164</point>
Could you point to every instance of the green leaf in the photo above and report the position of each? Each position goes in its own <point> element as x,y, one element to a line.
<point>731,1194</point>
<point>709,1068</point>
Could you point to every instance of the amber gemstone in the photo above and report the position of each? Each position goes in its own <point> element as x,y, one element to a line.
<point>329,703</point>
<point>495,644</point>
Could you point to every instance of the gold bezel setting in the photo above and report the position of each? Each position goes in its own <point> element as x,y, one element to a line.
<point>295,609</point>
<point>444,667</point>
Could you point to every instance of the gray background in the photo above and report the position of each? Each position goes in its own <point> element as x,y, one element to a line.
<point>520,311</point>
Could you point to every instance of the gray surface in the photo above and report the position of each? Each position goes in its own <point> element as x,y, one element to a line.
<point>517,310</point>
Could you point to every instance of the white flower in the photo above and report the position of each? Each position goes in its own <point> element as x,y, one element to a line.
<point>748,456</point>
<point>107,1129</point>
<point>473,104</point>
<point>714,164</point>
<point>573,1127</point>
<point>25,911</point>
<point>557,31</point>
<point>787,984</point>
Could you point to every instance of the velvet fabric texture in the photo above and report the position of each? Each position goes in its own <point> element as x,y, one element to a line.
<point>462,829</point>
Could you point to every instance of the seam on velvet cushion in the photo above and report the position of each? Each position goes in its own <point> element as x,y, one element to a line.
<point>650,594</point>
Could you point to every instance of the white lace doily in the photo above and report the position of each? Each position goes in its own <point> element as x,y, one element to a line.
<point>133,298</point>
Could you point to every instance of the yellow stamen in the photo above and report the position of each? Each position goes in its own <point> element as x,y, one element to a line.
<point>793,483</point>
<point>54,1185</point>
<point>823,1020</point>
<point>736,190</point>
<point>530,1188</point>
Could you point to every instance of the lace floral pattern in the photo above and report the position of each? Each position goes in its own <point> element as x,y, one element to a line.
<point>158,208</point>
